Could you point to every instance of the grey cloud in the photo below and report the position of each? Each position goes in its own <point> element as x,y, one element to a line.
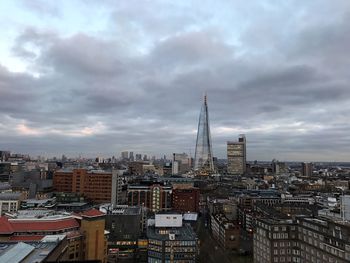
<point>149,101</point>
<point>42,8</point>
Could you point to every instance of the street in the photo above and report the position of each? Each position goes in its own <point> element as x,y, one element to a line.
<point>210,250</point>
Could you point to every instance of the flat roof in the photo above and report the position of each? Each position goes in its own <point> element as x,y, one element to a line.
<point>190,216</point>
<point>181,233</point>
<point>27,252</point>
<point>10,196</point>
<point>16,253</point>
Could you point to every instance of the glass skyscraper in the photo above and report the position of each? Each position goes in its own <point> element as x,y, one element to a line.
<point>203,159</point>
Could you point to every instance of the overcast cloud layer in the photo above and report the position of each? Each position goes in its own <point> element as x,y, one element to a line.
<point>98,77</point>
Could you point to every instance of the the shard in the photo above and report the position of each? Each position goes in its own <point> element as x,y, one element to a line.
<point>203,159</point>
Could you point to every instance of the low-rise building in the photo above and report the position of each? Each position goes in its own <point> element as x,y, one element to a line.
<point>9,202</point>
<point>225,231</point>
<point>185,200</point>
<point>85,233</point>
<point>51,248</point>
<point>169,240</point>
<point>154,196</point>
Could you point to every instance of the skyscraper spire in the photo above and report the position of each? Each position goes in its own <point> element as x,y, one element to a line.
<point>203,159</point>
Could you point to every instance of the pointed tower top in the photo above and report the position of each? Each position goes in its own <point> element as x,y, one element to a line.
<point>205,98</point>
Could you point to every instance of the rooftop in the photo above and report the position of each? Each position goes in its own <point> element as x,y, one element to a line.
<point>10,196</point>
<point>181,233</point>
<point>120,209</point>
<point>36,251</point>
<point>8,226</point>
<point>92,213</point>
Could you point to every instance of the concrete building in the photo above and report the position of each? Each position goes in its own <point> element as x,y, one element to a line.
<point>185,200</point>
<point>9,202</point>
<point>276,241</point>
<point>237,156</point>
<point>181,163</point>
<point>136,168</point>
<point>169,240</point>
<point>125,225</point>
<point>116,194</point>
<point>138,157</point>
<point>125,155</point>
<point>345,207</point>
<point>303,239</point>
<point>131,156</point>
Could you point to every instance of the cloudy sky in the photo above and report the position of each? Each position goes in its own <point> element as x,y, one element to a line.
<point>98,77</point>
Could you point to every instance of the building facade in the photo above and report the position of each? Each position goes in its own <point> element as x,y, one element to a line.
<point>95,185</point>
<point>226,233</point>
<point>125,225</point>
<point>203,159</point>
<point>169,240</point>
<point>306,169</point>
<point>156,197</point>
<point>185,200</point>
<point>302,240</point>
<point>9,202</point>
<point>93,227</point>
<point>236,156</point>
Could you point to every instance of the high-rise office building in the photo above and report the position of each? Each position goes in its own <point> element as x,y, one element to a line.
<point>145,158</point>
<point>203,159</point>
<point>236,156</point>
<point>125,155</point>
<point>306,169</point>
<point>131,156</point>
<point>138,157</point>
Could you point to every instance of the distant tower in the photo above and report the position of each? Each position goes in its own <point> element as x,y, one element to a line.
<point>306,169</point>
<point>203,158</point>
<point>237,156</point>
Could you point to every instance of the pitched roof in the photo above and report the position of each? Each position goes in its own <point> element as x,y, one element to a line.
<point>26,238</point>
<point>41,225</point>
<point>92,213</point>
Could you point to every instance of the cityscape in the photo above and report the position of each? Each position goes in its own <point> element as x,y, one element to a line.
<point>153,131</point>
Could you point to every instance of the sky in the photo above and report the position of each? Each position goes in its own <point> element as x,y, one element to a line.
<point>95,78</point>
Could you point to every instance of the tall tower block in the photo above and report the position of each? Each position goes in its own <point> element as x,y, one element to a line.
<point>203,159</point>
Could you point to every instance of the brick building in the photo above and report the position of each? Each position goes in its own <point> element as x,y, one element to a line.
<point>155,196</point>
<point>225,231</point>
<point>96,185</point>
<point>186,200</point>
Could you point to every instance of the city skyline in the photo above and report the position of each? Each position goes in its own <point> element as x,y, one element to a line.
<point>130,76</point>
